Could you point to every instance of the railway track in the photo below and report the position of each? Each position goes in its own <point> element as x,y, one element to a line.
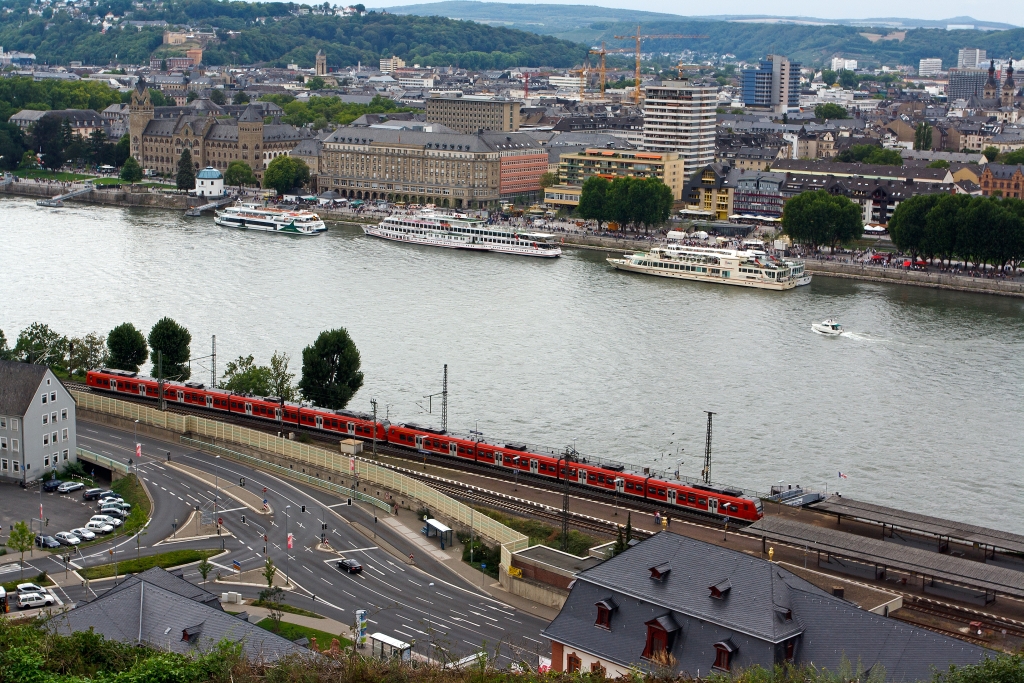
<point>991,622</point>
<point>622,501</point>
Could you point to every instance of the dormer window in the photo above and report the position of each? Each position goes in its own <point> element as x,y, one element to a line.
<point>723,654</point>
<point>659,572</point>
<point>660,636</point>
<point>720,589</point>
<point>604,613</point>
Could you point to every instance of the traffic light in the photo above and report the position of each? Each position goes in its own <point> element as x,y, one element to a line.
<point>264,538</point>
<point>303,508</point>
<point>243,519</point>
<point>241,481</point>
<point>323,538</point>
<point>324,526</point>
<point>349,501</point>
<point>47,519</point>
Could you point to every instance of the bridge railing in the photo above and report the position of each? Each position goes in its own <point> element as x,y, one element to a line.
<point>317,461</point>
<point>101,460</point>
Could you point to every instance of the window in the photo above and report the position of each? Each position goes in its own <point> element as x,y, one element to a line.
<point>15,465</point>
<point>53,396</point>
<point>46,439</point>
<point>44,398</point>
<point>597,670</point>
<point>65,455</point>
<point>3,423</point>
<point>53,437</point>
<point>3,444</point>
<point>15,446</point>
<point>572,663</point>
<point>64,435</point>
<point>3,464</point>
<point>657,641</point>
<point>46,419</point>
<point>64,413</point>
<point>604,613</point>
<point>46,461</point>
<point>53,417</point>
<point>790,645</point>
<point>723,654</point>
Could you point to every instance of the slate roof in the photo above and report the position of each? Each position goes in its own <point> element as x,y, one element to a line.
<point>1004,171</point>
<point>18,385</point>
<point>142,611</point>
<point>763,604</point>
<point>174,583</point>
<point>462,142</point>
<point>251,115</point>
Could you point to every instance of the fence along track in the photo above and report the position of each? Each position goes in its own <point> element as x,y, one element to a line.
<point>315,458</point>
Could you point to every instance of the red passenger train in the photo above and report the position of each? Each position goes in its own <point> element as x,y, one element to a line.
<point>718,501</point>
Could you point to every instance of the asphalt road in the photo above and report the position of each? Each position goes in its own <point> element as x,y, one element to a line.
<point>427,604</point>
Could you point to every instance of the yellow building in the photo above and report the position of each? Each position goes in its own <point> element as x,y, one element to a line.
<point>574,169</point>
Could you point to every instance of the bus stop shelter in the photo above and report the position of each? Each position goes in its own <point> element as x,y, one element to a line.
<point>384,646</point>
<point>436,528</point>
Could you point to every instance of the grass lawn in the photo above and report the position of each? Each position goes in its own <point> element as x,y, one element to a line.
<point>165,560</point>
<point>50,175</point>
<point>294,632</point>
<point>290,609</point>
<point>131,490</point>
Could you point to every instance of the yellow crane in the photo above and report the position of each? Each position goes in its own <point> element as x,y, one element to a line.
<point>639,38</point>
<point>603,51</point>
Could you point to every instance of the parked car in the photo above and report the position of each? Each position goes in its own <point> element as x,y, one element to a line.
<point>69,486</point>
<point>30,588</point>
<point>67,538</point>
<point>29,600</point>
<point>92,494</point>
<point>99,527</point>
<point>113,511</point>
<point>106,519</point>
<point>117,503</point>
<point>350,566</point>
<point>46,541</point>
<point>83,533</point>
<point>107,493</point>
<point>51,485</point>
<point>110,499</point>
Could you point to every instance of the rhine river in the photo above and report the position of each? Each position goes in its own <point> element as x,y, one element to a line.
<point>920,404</point>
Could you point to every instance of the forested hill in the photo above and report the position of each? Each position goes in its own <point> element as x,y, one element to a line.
<point>748,39</point>
<point>271,34</point>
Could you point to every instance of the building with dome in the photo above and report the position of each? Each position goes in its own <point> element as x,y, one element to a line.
<point>209,183</point>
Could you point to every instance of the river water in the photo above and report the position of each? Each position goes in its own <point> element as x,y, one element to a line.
<point>919,404</point>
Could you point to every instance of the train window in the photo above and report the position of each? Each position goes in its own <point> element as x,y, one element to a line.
<point>436,443</point>
<point>651,489</point>
<point>600,478</point>
<point>745,507</point>
<point>691,498</point>
<point>661,492</point>
<point>593,477</point>
<point>701,501</point>
<point>732,508</point>
<point>629,485</point>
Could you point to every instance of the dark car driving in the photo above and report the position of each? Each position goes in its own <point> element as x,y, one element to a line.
<point>350,566</point>
<point>51,485</point>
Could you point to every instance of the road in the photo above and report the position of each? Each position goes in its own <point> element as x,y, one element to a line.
<point>426,604</point>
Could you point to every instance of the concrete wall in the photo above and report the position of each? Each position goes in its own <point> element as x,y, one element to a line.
<point>534,591</point>
<point>897,276</point>
<point>138,196</point>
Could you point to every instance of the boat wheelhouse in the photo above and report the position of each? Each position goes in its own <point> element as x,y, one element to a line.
<point>256,217</point>
<point>709,264</point>
<point>457,231</point>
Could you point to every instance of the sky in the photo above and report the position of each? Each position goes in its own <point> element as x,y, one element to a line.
<point>1011,13</point>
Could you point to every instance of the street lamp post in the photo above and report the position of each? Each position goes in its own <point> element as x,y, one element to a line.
<point>515,459</point>
<point>430,631</point>
<point>287,557</point>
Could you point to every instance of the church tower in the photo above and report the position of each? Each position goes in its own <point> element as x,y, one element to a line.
<point>991,85</point>
<point>250,138</point>
<point>140,113</point>
<point>321,63</point>
<point>1009,88</point>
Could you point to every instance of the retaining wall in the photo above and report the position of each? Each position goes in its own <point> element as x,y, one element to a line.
<point>137,197</point>
<point>958,283</point>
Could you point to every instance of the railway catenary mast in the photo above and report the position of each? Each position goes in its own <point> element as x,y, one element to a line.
<point>706,472</point>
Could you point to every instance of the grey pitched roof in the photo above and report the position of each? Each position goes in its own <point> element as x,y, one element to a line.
<point>464,142</point>
<point>18,385</point>
<point>764,604</point>
<point>172,582</point>
<point>145,612</point>
<point>251,115</point>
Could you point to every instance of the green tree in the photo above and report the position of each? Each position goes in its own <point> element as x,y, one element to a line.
<point>847,79</point>
<point>618,206</point>
<point>122,151</point>
<point>186,177</point>
<point>990,153</point>
<point>131,172</point>
<point>998,668</point>
<point>159,99</point>
<point>650,202</point>
<point>871,154</point>
<point>48,139</point>
<point>163,65</point>
<point>548,179</point>
<point>285,173</point>
<point>828,77</point>
<point>315,83</point>
<point>330,369</point>
<point>244,376</point>
<point>173,340</point>
<point>217,96</point>
<point>191,96</point>
<point>239,174</point>
<point>829,110</point>
<point>241,97</point>
<point>204,567</point>
<point>593,199</point>
<point>5,353</point>
<point>39,344</point>
<point>817,218</point>
<point>908,227</point>
<point>923,136</point>
<point>20,540</point>
<point>29,160</point>
<point>938,163</point>
<point>944,224</point>
<point>86,353</point>
<point>1015,157</point>
<point>126,348</point>
<point>269,570</point>
<point>282,382</point>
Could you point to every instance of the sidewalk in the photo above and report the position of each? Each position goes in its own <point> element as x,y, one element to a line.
<point>326,624</point>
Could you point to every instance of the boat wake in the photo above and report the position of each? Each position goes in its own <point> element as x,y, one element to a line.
<point>864,337</point>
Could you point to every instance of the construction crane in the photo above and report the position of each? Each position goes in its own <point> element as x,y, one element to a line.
<point>639,38</point>
<point>604,52</point>
<point>582,73</point>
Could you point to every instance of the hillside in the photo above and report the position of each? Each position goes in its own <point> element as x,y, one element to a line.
<point>746,38</point>
<point>269,33</point>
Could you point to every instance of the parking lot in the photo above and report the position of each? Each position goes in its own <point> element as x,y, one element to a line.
<point>65,511</point>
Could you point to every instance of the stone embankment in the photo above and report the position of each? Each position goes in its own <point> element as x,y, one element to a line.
<point>960,283</point>
<point>125,197</point>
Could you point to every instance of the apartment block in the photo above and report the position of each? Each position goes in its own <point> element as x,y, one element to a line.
<point>472,113</point>
<point>679,116</point>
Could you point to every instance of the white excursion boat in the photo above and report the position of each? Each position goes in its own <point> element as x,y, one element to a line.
<point>829,328</point>
<point>723,266</point>
<point>457,231</point>
<point>256,217</point>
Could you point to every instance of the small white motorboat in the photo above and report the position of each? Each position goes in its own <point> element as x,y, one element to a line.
<point>829,328</point>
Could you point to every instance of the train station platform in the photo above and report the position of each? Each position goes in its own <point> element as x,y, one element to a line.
<point>876,559</point>
<point>942,530</point>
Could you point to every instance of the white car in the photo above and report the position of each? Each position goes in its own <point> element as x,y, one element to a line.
<point>67,538</point>
<point>99,527</point>
<point>28,600</point>
<point>69,486</point>
<point>25,588</point>
<point>105,519</point>
<point>106,500</point>
<point>83,533</point>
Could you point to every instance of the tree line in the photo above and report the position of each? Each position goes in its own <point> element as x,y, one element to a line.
<point>641,202</point>
<point>331,372</point>
<point>972,229</point>
<point>818,218</point>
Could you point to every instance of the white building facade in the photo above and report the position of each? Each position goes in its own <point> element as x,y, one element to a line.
<point>679,116</point>
<point>37,422</point>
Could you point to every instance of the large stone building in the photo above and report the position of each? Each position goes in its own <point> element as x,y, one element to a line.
<point>471,113</point>
<point>1002,180</point>
<point>159,135</point>
<point>446,169</point>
